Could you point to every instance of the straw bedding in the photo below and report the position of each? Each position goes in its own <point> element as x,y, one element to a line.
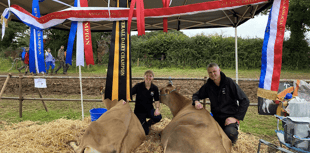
<point>54,136</point>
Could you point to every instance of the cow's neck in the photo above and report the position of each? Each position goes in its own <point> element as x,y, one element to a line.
<point>177,103</point>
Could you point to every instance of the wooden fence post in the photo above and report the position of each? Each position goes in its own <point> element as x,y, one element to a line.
<point>204,100</point>
<point>42,100</point>
<point>20,97</point>
<point>4,85</point>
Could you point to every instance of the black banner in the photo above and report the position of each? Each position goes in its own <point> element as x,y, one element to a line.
<point>118,83</point>
<point>269,107</point>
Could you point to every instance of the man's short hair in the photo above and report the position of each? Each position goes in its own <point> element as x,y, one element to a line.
<point>48,49</point>
<point>212,65</point>
<point>149,72</point>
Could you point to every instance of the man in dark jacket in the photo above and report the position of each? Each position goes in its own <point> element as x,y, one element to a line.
<point>62,58</point>
<point>146,93</point>
<point>224,95</point>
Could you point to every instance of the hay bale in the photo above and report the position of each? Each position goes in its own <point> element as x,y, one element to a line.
<point>54,136</point>
<point>29,136</point>
<point>246,142</point>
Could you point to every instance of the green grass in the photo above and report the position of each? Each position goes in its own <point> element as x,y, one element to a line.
<point>43,116</point>
<point>101,70</point>
<point>258,125</point>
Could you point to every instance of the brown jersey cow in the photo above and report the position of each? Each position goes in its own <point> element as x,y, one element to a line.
<point>117,131</point>
<point>190,130</point>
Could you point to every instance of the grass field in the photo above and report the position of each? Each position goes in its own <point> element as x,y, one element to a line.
<point>261,126</point>
<point>258,125</point>
<point>138,71</point>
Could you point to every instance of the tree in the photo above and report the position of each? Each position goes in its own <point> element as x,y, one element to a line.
<point>55,39</point>
<point>296,49</point>
<point>13,32</point>
<point>298,22</point>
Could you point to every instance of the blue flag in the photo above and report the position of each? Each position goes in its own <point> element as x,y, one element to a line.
<point>71,39</point>
<point>36,53</point>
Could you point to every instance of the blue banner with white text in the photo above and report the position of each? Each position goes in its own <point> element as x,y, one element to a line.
<point>36,53</point>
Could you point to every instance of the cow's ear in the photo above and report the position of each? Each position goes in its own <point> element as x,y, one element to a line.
<point>107,103</point>
<point>178,88</point>
<point>101,90</point>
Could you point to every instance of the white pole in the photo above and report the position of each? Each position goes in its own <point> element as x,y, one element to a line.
<point>236,54</point>
<point>80,75</point>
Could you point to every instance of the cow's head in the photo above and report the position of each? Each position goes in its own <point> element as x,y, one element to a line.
<point>109,104</point>
<point>165,93</point>
<point>169,96</point>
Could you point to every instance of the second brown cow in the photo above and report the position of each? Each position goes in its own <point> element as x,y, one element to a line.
<point>190,130</point>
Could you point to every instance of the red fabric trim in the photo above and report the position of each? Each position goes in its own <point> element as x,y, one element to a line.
<point>84,3</point>
<point>142,18</point>
<point>88,47</point>
<point>279,44</point>
<point>132,7</point>
<point>157,12</point>
<point>138,10</point>
<point>165,20</point>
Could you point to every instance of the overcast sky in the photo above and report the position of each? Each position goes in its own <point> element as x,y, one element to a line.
<point>251,29</point>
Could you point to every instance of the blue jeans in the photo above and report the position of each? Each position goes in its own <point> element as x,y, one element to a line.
<point>48,64</point>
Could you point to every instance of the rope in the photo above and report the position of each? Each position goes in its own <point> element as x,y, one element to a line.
<point>60,2</point>
<point>109,9</point>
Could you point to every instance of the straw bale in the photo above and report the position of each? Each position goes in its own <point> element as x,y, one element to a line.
<point>54,136</point>
<point>29,136</point>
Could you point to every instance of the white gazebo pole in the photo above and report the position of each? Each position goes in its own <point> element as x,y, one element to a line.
<point>236,53</point>
<point>80,76</point>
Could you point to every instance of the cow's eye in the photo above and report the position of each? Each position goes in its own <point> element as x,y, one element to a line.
<point>167,91</point>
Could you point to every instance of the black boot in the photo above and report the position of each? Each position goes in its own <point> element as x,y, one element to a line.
<point>52,71</point>
<point>46,72</point>
<point>57,69</point>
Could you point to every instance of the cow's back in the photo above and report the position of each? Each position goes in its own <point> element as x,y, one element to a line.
<point>194,131</point>
<point>135,135</point>
<point>113,130</point>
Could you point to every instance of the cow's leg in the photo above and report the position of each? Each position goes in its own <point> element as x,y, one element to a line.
<point>77,149</point>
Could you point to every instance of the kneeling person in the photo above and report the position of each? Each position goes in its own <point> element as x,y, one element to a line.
<point>145,93</point>
<point>223,93</point>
